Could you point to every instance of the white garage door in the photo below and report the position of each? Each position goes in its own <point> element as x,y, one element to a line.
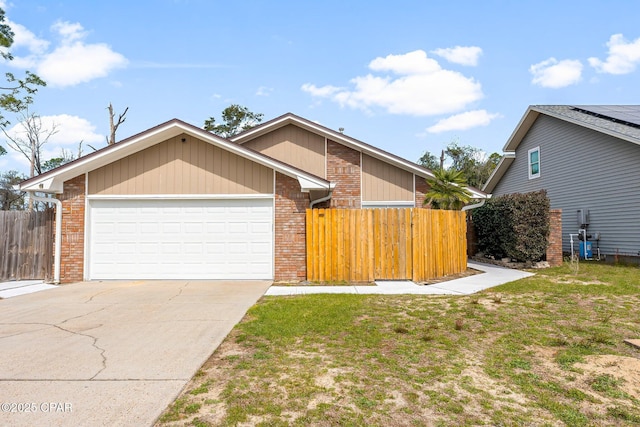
<point>181,239</point>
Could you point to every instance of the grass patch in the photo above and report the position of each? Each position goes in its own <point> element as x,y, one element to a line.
<point>522,352</point>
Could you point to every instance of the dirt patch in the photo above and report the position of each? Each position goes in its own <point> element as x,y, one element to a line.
<point>624,369</point>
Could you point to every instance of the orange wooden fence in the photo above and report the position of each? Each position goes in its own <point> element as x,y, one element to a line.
<point>361,245</point>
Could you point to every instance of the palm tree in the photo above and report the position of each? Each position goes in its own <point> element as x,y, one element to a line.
<point>447,190</point>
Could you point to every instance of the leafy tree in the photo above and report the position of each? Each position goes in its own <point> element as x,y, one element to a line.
<point>11,199</point>
<point>475,165</point>
<point>17,94</point>
<point>236,119</point>
<point>429,161</point>
<point>64,158</point>
<point>447,190</point>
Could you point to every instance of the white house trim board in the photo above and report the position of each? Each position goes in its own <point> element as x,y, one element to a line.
<point>52,181</point>
<point>178,196</point>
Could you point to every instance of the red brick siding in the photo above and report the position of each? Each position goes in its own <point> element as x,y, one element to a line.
<point>554,250</point>
<point>343,168</point>
<point>421,189</point>
<point>290,226</point>
<point>72,251</point>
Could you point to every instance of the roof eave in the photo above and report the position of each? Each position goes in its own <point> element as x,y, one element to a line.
<point>497,174</point>
<point>52,181</point>
<point>370,150</point>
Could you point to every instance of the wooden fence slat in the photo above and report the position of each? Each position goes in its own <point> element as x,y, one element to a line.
<point>26,245</point>
<point>377,244</point>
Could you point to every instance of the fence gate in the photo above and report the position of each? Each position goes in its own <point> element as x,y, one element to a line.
<point>361,245</point>
<point>26,245</point>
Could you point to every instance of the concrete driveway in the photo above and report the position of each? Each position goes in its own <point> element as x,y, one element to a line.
<point>111,353</point>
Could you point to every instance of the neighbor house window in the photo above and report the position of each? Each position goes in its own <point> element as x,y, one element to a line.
<point>534,163</point>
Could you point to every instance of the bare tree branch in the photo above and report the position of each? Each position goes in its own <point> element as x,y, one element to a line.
<point>113,125</point>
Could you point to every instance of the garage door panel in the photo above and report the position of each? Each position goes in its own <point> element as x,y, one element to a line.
<point>199,239</point>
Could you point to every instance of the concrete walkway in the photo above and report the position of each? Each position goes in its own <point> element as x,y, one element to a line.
<point>22,287</point>
<point>492,276</point>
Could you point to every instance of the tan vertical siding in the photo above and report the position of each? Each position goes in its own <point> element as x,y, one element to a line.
<point>295,146</point>
<point>176,167</point>
<point>384,182</point>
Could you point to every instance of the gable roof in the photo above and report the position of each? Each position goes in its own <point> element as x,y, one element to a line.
<point>370,150</point>
<point>600,118</point>
<point>52,181</point>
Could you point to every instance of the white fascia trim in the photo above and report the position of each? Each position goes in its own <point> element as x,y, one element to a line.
<point>48,185</point>
<point>81,164</point>
<point>178,196</point>
<point>489,186</point>
<point>53,183</point>
<point>307,185</point>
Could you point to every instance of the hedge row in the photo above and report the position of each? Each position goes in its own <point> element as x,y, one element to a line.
<point>514,226</point>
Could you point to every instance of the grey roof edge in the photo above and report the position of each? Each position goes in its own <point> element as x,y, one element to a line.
<point>290,118</point>
<point>85,164</point>
<point>561,112</point>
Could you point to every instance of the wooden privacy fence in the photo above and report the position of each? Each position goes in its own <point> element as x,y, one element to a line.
<point>361,245</point>
<point>26,245</point>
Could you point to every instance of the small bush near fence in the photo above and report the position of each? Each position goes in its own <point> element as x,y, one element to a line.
<point>514,226</point>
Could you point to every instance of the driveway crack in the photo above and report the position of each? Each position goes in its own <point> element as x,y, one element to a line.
<point>94,344</point>
<point>179,291</point>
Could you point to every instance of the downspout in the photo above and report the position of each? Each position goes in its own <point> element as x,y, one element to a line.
<point>477,205</point>
<point>321,199</point>
<point>58,237</point>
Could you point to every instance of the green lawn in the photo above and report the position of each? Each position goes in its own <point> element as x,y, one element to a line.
<point>546,350</point>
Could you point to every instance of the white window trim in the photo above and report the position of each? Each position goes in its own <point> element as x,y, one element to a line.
<point>531,175</point>
<point>388,203</point>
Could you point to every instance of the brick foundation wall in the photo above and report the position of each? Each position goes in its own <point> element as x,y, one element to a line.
<point>290,230</point>
<point>343,168</point>
<point>72,250</point>
<point>554,251</point>
<point>421,189</point>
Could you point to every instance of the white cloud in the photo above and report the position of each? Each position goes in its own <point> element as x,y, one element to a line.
<point>72,61</point>
<point>264,91</point>
<point>464,121</point>
<point>623,57</point>
<point>419,86</point>
<point>323,92</point>
<point>555,74</point>
<point>463,55</point>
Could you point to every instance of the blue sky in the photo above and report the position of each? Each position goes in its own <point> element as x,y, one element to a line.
<point>406,76</point>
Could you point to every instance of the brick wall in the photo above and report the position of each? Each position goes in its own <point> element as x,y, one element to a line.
<point>290,226</point>
<point>554,251</point>
<point>72,251</point>
<point>421,189</point>
<point>343,168</point>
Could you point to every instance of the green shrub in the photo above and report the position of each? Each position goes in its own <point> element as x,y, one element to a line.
<point>514,226</point>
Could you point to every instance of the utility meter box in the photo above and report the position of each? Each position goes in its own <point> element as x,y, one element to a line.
<point>583,217</point>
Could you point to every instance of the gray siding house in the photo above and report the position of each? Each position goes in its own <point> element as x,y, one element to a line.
<point>586,157</point>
